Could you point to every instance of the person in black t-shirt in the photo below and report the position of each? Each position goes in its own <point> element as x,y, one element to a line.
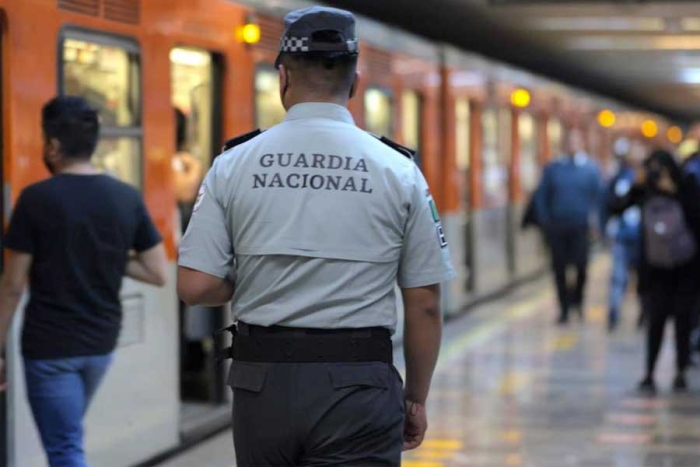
<point>74,236</point>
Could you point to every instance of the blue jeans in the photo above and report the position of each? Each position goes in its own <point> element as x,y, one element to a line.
<point>625,256</point>
<point>59,394</point>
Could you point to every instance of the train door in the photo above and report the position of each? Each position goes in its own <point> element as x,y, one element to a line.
<point>195,96</point>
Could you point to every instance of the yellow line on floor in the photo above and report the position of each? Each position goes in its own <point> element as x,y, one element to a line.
<point>421,464</point>
<point>449,444</point>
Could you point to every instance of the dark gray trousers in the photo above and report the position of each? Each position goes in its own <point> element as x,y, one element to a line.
<point>317,414</point>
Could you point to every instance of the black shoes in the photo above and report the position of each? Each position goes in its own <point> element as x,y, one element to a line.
<point>647,386</point>
<point>680,384</point>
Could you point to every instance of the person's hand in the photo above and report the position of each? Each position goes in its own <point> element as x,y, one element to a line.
<point>415,425</point>
<point>3,375</point>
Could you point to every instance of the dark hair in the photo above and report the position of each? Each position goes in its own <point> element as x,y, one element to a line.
<point>74,123</point>
<point>180,129</point>
<point>665,159</point>
<point>329,72</point>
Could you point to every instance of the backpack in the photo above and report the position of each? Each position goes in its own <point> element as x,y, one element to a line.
<point>668,240</point>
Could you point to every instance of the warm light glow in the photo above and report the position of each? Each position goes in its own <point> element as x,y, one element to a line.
<point>675,134</point>
<point>249,33</point>
<point>649,128</point>
<point>520,98</point>
<point>189,57</point>
<point>606,118</point>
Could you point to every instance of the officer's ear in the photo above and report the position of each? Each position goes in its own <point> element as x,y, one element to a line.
<point>282,70</point>
<point>355,85</point>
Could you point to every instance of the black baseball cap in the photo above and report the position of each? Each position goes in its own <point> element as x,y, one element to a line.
<point>301,26</point>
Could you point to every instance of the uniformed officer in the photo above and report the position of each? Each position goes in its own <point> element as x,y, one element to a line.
<point>311,223</point>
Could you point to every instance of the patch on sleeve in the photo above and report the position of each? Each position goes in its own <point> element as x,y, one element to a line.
<point>433,210</point>
<point>441,236</point>
<point>200,198</point>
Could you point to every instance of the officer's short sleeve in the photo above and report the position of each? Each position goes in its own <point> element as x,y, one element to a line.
<point>207,245</point>
<point>425,258</point>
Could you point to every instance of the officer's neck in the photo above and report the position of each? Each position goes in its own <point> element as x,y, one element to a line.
<point>293,99</point>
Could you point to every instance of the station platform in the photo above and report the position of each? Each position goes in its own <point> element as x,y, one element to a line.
<point>514,389</point>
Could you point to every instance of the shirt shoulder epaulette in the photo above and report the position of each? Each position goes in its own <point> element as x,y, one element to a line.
<point>407,152</point>
<point>238,140</point>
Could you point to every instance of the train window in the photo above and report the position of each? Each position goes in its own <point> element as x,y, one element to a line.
<point>268,106</point>
<point>106,72</point>
<point>554,135</point>
<point>462,133</point>
<point>119,157</point>
<point>529,167</point>
<point>107,76</point>
<point>191,74</point>
<point>378,112</point>
<point>411,120</point>
<point>495,171</point>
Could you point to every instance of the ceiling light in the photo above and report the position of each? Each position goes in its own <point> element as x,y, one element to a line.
<point>675,134</point>
<point>649,128</point>
<point>606,118</point>
<point>520,98</point>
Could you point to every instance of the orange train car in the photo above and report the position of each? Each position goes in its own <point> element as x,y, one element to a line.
<point>481,151</point>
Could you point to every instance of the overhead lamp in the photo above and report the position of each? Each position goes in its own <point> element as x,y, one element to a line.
<point>249,33</point>
<point>606,118</point>
<point>674,134</point>
<point>649,128</point>
<point>520,98</point>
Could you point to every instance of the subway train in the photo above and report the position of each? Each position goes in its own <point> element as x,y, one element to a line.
<point>484,130</point>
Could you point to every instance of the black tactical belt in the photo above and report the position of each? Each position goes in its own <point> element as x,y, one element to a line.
<point>300,345</point>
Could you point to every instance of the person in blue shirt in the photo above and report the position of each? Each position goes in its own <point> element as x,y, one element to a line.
<point>624,228</point>
<point>566,202</point>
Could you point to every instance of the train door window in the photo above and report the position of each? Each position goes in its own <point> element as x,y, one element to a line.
<point>554,135</point>
<point>106,71</point>
<point>496,153</point>
<point>529,166</point>
<point>191,84</point>
<point>268,106</point>
<point>378,112</point>
<point>411,121</point>
<point>462,146</point>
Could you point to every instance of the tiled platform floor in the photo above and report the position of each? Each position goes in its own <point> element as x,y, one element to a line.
<point>513,389</point>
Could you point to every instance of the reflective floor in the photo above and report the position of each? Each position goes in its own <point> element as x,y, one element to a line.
<point>513,389</point>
